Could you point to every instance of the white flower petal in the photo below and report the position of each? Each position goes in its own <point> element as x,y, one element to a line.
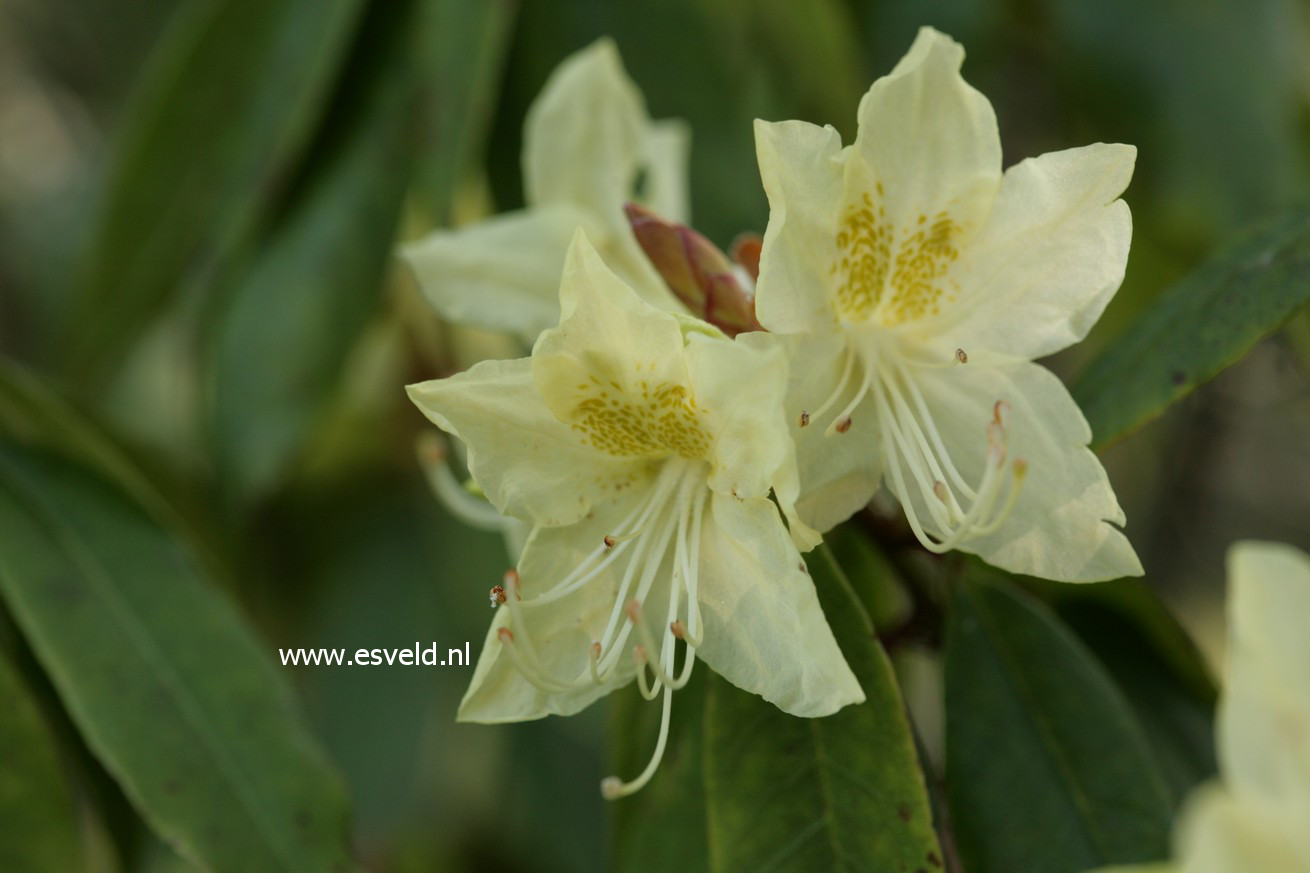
<point>560,632</point>
<point>839,472</point>
<point>740,385</point>
<point>1063,524</point>
<point>528,463</point>
<point>801,167</point>
<point>928,138</point>
<point>1264,717</point>
<point>585,135</point>
<point>501,274</point>
<point>612,351</point>
<point>668,150</point>
<point>1048,260</point>
<point>1217,834</point>
<point>764,630</point>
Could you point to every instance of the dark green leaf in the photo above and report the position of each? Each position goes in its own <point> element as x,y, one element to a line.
<point>1156,666</point>
<point>289,322</point>
<point>39,834</point>
<point>1199,327</point>
<point>216,128</point>
<point>844,792</point>
<point>1047,769</point>
<point>164,680</point>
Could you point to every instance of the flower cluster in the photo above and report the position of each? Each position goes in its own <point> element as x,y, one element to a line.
<point>673,469</point>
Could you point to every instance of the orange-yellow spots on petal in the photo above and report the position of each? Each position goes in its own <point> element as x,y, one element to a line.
<point>892,277</point>
<point>656,421</point>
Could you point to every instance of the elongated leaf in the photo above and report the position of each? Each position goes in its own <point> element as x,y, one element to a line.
<point>285,329</point>
<point>1156,666</point>
<point>165,682</point>
<point>1199,327</point>
<point>842,793</point>
<point>39,834</point>
<point>1047,769</point>
<point>459,93</point>
<point>216,128</point>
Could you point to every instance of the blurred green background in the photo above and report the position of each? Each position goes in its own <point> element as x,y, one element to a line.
<point>198,206</point>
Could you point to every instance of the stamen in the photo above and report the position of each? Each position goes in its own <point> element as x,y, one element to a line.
<point>473,511</point>
<point>837,392</point>
<point>497,596</point>
<point>842,422</point>
<point>961,356</point>
<point>907,444</point>
<point>647,690</point>
<point>612,788</point>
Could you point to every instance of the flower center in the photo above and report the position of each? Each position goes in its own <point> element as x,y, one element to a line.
<point>666,523</point>
<point>956,509</point>
<point>888,276</point>
<point>654,422</point>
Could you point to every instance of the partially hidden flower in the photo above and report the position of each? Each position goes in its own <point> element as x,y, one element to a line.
<point>1254,817</point>
<point>643,447</point>
<point>917,283</point>
<point>589,147</point>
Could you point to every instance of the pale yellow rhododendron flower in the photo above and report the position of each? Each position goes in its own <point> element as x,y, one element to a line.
<point>916,283</point>
<point>643,446</point>
<point>589,147</point>
<point>1256,817</point>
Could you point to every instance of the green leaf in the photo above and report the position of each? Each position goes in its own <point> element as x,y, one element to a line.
<point>33,414</point>
<point>215,130</point>
<point>1047,769</point>
<point>844,792</point>
<point>459,94</point>
<point>40,830</point>
<point>1155,664</point>
<point>1199,327</point>
<point>164,680</point>
<point>286,327</point>
<point>662,828</point>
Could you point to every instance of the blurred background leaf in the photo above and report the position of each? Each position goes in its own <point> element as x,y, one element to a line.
<point>41,831</point>
<point>161,675</point>
<point>208,145</point>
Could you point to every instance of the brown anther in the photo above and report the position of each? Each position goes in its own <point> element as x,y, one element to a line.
<point>804,569</point>
<point>634,609</point>
<point>595,651</point>
<point>961,356</point>
<point>805,419</point>
<point>609,541</point>
<point>939,489</point>
<point>639,654</point>
<point>511,581</point>
<point>678,630</point>
<point>498,597</point>
<point>1000,407</point>
<point>505,635</point>
<point>843,425</point>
